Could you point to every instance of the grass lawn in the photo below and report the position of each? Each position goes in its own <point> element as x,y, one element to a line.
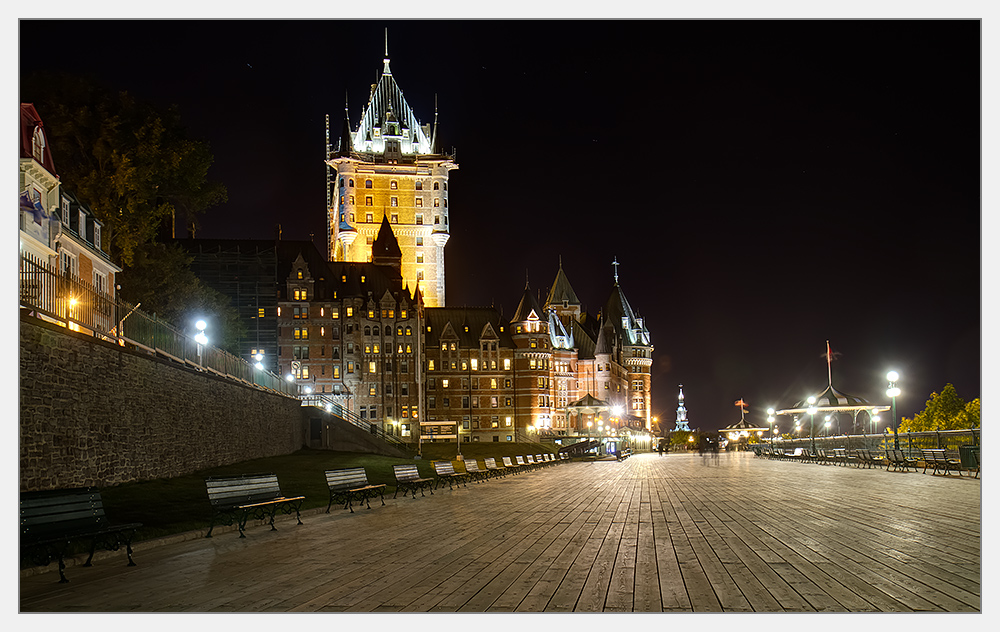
<point>179,504</point>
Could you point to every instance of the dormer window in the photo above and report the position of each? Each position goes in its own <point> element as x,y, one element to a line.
<point>299,273</point>
<point>38,144</point>
<point>65,211</point>
<point>97,235</point>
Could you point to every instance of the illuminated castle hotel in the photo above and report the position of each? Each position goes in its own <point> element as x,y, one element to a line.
<point>366,323</point>
<point>390,167</point>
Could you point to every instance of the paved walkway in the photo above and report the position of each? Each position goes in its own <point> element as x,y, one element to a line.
<point>672,533</point>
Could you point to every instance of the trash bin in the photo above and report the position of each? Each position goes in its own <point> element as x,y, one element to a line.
<point>965,454</point>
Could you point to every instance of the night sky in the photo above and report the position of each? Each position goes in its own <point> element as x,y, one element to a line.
<point>766,186</point>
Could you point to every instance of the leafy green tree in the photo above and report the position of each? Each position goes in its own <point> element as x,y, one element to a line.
<point>943,411</point>
<point>160,278</point>
<point>129,161</point>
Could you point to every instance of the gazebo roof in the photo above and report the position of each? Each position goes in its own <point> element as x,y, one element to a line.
<point>589,405</point>
<point>742,424</point>
<point>832,400</point>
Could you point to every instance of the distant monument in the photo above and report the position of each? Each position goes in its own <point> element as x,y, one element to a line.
<point>682,413</point>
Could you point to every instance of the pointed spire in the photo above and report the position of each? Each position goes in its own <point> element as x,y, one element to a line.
<point>434,133</point>
<point>345,132</point>
<point>385,60</point>
<point>527,305</point>
<point>616,264</point>
<point>385,249</point>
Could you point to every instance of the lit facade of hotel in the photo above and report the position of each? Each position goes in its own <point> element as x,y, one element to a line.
<point>390,167</point>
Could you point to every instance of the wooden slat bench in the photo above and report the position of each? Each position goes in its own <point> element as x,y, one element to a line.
<point>352,484</point>
<point>896,459</point>
<point>494,470</point>
<point>512,467</point>
<point>520,462</point>
<point>445,471</point>
<point>236,499</point>
<point>941,462</point>
<point>472,469</point>
<point>408,479</point>
<point>52,520</point>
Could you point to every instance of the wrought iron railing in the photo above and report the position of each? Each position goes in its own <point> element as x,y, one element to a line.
<point>910,443</point>
<point>67,300</point>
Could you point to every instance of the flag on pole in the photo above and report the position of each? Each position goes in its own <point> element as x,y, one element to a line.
<point>741,403</point>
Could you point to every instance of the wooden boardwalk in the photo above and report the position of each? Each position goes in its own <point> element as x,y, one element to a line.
<point>673,533</point>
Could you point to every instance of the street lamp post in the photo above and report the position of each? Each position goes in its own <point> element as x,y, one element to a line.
<point>893,392</point>
<point>770,422</point>
<point>812,423</point>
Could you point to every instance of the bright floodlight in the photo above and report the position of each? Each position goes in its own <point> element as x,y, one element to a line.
<point>770,411</point>
<point>290,377</point>
<point>617,410</point>
<point>260,366</point>
<point>876,418</point>
<point>201,338</point>
<point>811,400</point>
<point>892,376</point>
<point>200,325</point>
<point>893,392</point>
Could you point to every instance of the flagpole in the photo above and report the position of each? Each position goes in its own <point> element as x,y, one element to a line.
<point>829,371</point>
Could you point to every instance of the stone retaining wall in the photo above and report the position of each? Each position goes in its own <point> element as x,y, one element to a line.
<point>93,413</point>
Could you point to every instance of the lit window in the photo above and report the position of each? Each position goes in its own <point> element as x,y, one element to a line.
<point>260,312</point>
<point>420,185</point>
<point>392,184</point>
<point>506,364</point>
<point>368,201</point>
<point>300,273</point>
<point>475,364</point>
<point>437,202</point>
<point>444,383</point>
<point>336,371</point>
<point>369,217</point>
<point>371,313</point>
<point>430,365</point>
<point>420,257</point>
<point>350,367</point>
<point>395,218</point>
<point>419,219</point>
<point>419,202</point>
<point>393,201</point>
<point>493,382</point>
<point>371,366</point>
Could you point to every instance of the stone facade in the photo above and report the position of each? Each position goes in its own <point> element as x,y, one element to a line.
<point>93,413</point>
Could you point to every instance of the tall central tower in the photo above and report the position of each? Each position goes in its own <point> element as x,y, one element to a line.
<point>390,167</point>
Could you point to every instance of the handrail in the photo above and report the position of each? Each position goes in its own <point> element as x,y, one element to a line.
<point>331,405</point>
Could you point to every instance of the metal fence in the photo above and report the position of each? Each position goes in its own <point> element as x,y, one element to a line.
<point>67,300</point>
<point>910,443</point>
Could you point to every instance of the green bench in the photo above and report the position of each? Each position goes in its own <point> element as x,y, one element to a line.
<point>52,520</point>
<point>236,499</point>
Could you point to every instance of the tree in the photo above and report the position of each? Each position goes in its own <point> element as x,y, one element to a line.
<point>944,411</point>
<point>129,161</point>
<point>160,278</point>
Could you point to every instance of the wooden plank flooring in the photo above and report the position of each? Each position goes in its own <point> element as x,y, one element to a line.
<point>676,533</point>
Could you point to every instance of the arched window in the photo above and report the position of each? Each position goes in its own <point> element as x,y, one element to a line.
<point>341,182</point>
<point>368,184</point>
<point>350,183</point>
<point>300,273</point>
<point>437,185</point>
<point>388,330</point>
<point>38,144</point>
<point>445,186</point>
<point>420,185</point>
<point>368,330</point>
